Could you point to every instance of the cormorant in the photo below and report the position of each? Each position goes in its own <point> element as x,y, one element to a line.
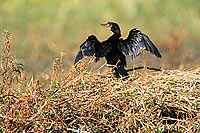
<point>115,49</point>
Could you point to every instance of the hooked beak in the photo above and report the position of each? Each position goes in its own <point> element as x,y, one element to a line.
<point>106,25</point>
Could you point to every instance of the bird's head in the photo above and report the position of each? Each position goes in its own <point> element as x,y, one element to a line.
<point>114,27</point>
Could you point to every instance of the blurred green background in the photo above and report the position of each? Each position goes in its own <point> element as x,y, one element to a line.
<point>43,28</point>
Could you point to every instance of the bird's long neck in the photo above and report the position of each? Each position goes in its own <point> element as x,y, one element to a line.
<point>114,38</point>
<point>116,31</point>
<point>116,34</point>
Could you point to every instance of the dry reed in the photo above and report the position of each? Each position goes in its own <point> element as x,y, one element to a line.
<point>83,100</point>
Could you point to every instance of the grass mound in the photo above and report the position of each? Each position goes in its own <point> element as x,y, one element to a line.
<point>88,101</point>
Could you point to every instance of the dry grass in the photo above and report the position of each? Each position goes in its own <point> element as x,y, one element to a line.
<point>92,102</point>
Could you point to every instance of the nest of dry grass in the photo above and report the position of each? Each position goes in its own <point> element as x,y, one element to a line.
<point>92,102</point>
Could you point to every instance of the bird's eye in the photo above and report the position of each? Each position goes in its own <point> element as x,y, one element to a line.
<point>109,24</point>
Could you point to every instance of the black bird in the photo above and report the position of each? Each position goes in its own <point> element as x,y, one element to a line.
<point>115,49</point>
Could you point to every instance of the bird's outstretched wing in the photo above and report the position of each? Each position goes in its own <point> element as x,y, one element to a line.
<point>135,43</point>
<point>92,47</point>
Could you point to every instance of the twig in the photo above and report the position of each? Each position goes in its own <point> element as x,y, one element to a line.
<point>7,117</point>
<point>101,66</point>
<point>8,52</point>
<point>149,68</point>
<point>38,111</point>
<point>76,130</point>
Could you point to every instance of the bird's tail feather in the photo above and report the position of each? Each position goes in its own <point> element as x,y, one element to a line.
<point>78,57</point>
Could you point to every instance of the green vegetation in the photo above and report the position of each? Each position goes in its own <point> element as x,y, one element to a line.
<point>41,29</point>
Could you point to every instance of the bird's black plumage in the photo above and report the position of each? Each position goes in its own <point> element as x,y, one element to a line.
<point>135,43</point>
<point>92,47</point>
<point>115,49</point>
